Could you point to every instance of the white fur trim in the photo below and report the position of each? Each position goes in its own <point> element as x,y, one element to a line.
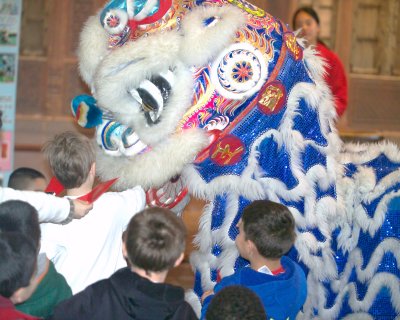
<point>93,46</point>
<point>145,10</point>
<point>130,8</point>
<point>168,158</point>
<point>358,316</point>
<point>194,301</point>
<point>356,261</point>
<point>128,67</point>
<point>202,44</point>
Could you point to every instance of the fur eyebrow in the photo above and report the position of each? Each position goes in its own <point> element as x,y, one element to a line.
<point>122,66</point>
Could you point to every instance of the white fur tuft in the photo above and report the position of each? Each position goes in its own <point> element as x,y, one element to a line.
<point>93,47</point>
<point>203,43</point>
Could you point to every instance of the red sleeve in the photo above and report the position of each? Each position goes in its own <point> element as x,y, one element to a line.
<point>335,78</point>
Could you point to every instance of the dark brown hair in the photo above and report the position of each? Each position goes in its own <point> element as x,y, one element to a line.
<point>20,216</point>
<point>17,262</point>
<point>270,226</point>
<point>154,239</point>
<point>236,303</point>
<point>21,177</point>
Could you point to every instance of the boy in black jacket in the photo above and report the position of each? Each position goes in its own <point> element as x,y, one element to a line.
<point>154,243</point>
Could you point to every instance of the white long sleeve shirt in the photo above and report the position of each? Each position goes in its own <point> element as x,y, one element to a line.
<point>90,249</point>
<point>50,208</point>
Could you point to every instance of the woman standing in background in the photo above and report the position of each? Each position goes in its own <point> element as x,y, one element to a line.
<point>307,19</point>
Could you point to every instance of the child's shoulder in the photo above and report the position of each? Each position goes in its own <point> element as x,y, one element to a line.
<point>134,199</point>
<point>133,194</point>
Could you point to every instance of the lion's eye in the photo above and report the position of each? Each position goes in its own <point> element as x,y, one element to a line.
<point>153,94</point>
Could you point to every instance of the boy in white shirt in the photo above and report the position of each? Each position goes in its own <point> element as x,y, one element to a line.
<point>50,208</point>
<point>87,250</point>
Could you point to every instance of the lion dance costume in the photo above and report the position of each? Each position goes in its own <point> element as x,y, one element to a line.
<point>217,99</point>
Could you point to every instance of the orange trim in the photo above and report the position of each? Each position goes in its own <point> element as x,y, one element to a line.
<point>41,276</point>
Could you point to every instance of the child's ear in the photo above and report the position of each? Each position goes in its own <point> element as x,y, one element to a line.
<point>124,252</point>
<point>179,260</point>
<point>251,247</point>
<point>93,169</point>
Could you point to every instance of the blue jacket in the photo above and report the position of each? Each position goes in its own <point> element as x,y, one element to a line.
<point>282,295</point>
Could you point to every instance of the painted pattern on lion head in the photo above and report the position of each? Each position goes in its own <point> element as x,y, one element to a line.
<point>219,98</point>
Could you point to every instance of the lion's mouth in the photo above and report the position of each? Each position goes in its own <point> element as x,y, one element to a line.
<point>152,95</point>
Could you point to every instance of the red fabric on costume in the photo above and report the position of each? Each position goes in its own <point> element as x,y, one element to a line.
<point>8,311</point>
<point>335,77</point>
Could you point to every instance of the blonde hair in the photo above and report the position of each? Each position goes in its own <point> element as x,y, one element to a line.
<point>71,156</point>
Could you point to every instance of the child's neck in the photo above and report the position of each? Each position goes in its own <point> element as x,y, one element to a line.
<point>272,264</point>
<point>85,188</point>
<point>156,277</point>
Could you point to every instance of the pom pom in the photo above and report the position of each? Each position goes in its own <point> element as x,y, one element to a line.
<point>85,111</point>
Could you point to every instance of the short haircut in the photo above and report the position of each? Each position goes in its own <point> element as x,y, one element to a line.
<point>17,262</point>
<point>71,156</point>
<point>155,239</point>
<point>235,303</point>
<point>270,226</point>
<point>21,177</point>
<point>20,216</point>
<point>309,10</point>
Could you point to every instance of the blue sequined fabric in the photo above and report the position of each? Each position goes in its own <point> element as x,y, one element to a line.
<point>279,163</point>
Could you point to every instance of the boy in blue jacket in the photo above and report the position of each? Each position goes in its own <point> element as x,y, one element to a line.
<point>266,233</point>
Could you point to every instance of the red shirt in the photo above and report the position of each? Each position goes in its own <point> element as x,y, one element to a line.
<point>335,77</point>
<point>8,311</point>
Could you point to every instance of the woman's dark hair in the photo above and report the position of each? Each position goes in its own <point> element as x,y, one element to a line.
<point>310,11</point>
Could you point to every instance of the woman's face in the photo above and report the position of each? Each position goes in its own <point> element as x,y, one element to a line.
<point>310,27</point>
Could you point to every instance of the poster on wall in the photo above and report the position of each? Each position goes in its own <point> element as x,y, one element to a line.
<point>10,21</point>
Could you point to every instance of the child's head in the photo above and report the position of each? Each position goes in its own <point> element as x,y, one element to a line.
<point>71,156</point>
<point>235,303</point>
<point>17,262</point>
<point>155,240</point>
<point>20,216</point>
<point>270,226</point>
<point>27,179</point>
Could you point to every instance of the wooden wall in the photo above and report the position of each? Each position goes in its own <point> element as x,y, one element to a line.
<point>364,33</point>
<point>48,74</point>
